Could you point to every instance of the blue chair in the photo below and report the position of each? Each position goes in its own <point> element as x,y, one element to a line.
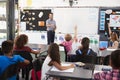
<point>10,71</point>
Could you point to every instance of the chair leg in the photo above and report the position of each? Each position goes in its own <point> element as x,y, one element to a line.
<point>23,73</point>
<point>27,74</point>
<point>17,78</point>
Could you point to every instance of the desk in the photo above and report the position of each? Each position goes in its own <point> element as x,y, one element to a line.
<point>78,73</point>
<point>100,67</point>
<point>105,52</point>
<point>42,47</point>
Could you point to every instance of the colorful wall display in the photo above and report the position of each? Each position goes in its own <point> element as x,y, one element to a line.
<point>35,19</point>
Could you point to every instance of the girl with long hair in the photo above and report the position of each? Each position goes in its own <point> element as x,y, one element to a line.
<point>53,59</point>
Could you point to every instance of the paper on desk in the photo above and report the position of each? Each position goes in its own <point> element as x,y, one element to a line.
<point>68,70</point>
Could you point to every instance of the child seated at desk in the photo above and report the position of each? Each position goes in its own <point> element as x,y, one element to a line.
<point>20,44</point>
<point>53,59</point>
<point>8,58</point>
<point>84,48</point>
<point>70,43</point>
<point>69,40</point>
<point>114,74</point>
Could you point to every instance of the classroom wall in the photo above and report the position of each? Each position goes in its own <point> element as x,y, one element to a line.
<point>41,38</point>
<point>84,14</point>
<point>86,20</point>
<point>53,3</point>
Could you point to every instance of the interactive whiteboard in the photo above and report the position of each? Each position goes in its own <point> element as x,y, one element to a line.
<point>85,18</point>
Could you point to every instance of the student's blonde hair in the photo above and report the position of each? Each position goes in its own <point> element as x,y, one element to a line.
<point>68,37</point>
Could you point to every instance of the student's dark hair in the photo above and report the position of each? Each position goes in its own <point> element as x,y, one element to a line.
<point>51,13</point>
<point>85,45</point>
<point>21,40</point>
<point>7,46</point>
<point>115,59</point>
<point>53,52</point>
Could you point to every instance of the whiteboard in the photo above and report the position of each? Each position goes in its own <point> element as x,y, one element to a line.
<point>85,18</point>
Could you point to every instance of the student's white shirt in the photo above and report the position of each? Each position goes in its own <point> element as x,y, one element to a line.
<point>45,67</point>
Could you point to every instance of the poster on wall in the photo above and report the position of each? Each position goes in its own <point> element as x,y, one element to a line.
<point>35,19</point>
<point>115,20</point>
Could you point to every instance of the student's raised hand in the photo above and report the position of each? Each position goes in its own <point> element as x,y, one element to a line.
<point>75,27</point>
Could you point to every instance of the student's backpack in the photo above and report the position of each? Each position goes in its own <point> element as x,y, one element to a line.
<point>37,65</point>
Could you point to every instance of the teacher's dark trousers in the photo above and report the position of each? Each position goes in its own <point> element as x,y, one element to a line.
<point>50,37</point>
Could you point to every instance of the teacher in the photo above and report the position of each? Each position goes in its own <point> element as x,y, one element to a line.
<point>51,27</point>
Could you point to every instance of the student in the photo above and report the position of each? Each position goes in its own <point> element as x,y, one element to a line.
<point>68,40</point>
<point>20,44</point>
<point>84,48</point>
<point>114,74</point>
<point>53,59</point>
<point>8,58</point>
<point>113,43</point>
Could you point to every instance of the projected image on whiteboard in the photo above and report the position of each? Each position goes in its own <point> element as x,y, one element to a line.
<point>115,20</point>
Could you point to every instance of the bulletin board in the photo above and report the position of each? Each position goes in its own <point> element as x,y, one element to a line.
<point>109,15</point>
<point>34,19</point>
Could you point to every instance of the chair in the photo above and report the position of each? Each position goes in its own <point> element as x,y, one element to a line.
<point>119,45</point>
<point>66,58</point>
<point>1,53</point>
<point>86,59</point>
<point>25,68</point>
<point>89,61</point>
<point>10,71</point>
<point>106,60</point>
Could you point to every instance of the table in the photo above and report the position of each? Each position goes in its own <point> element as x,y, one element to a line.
<point>42,47</point>
<point>105,52</point>
<point>100,67</point>
<point>79,73</point>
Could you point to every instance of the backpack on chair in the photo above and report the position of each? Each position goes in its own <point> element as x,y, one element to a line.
<point>37,65</point>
